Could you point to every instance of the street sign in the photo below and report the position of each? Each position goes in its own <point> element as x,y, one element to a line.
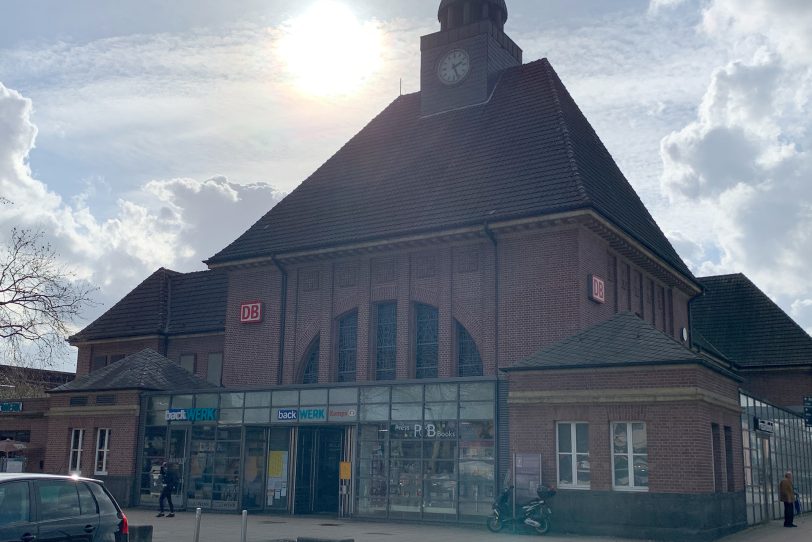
<point>808,411</point>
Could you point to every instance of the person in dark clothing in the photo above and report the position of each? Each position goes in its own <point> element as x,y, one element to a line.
<point>169,478</point>
<point>788,498</point>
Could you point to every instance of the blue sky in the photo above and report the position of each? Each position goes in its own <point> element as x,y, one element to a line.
<point>141,134</point>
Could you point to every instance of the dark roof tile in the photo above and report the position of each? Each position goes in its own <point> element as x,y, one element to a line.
<point>736,318</point>
<point>146,370</point>
<point>529,151</point>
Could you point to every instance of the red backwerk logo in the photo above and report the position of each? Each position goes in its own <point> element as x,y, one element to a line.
<point>251,313</point>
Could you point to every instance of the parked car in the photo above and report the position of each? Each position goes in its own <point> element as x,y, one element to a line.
<point>43,507</point>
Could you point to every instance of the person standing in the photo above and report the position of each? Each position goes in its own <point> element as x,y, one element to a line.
<point>170,481</point>
<point>788,498</point>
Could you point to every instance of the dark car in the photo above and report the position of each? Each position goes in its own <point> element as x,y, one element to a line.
<point>49,508</point>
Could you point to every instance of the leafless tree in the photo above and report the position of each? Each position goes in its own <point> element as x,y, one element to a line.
<point>39,299</point>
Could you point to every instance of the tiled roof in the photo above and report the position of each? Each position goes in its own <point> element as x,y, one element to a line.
<point>623,340</point>
<point>528,152</point>
<point>739,320</point>
<point>166,302</point>
<point>146,370</point>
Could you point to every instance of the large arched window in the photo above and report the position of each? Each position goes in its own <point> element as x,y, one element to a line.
<point>469,363</point>
<point>426,343</point>
<point>310,374</point>
<point>386,341</point>
<point>347,347</point>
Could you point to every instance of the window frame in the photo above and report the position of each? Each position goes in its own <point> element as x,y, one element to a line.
<point>630,455</point>
<point>77,450</point>
<point>194,361</point>
<point>461,332</point>
<point>209,358</point>
<point>313,348</point>
<point>339,374</point>
<point>573,454</point>
<point>377,338</point>
<point>416,346</point>
<point>105,451</point>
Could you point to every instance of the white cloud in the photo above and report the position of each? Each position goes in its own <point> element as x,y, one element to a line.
<point>745,158</point>
<point>173,223</point>
<point>656,6</point>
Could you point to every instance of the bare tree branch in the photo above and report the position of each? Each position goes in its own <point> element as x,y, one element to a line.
<point>39,299</point>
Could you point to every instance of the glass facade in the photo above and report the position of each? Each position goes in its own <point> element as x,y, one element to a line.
<point>417,450</point>
<point>767,456</point>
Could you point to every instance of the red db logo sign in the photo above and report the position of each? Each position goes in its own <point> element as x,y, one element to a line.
<point>251,313</point>
<point>597,289</point>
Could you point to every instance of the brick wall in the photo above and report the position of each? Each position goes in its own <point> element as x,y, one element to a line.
<point>199,346</point>
<point>781,387</point>
<point>679,436</point>
<point>32,419</point>
<point>88,351</point>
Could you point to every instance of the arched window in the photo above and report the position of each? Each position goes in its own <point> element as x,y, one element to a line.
<point>386,341</point>
<point>426,344</point>
<point>310,375</point>
<point>469,363</point>
<point>347,347</point>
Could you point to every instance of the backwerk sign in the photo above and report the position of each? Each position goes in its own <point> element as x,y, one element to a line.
<point>192,415</point>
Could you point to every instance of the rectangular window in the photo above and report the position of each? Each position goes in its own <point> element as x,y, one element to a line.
<point>99,362</point>
<point>214,369</point>
<point>629,455</point>
<point>102,450</point>
<point>347,347</point>
<point>76,439</point>
<point>117,357</point>
<point>187,361</point>
<point>386,341</point>
<point>426,341</point>
<point>729,457</point>
<point>717,458</point>
<point>573,455</point>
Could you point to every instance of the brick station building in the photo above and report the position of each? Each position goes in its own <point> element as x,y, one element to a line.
<point>468,289</point>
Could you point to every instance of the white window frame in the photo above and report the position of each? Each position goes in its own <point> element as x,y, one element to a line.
<point>629,454</point>
<point>102,448</point>
<point>573,456</point>
<point>76,444</point>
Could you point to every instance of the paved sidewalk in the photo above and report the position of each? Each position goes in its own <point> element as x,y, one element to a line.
<point>267,528</point>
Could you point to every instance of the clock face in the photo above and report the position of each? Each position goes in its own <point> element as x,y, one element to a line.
<point>454,67</point>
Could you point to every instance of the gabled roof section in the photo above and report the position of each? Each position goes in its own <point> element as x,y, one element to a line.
<point>167,302</point>
<point>623,340</point>
<point>146,370</point>
<point>528,152</point>
<point>736,318</point>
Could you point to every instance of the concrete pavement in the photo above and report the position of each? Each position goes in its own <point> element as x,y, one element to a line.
<point>268,528</point>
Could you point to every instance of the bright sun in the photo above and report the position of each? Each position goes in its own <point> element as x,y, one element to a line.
<point>328,51</point>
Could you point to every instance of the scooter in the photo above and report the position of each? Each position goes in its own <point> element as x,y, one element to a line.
<point>536,514</point>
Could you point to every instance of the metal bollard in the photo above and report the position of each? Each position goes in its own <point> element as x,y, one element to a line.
<point>198,514</point>
<point>244,530</point>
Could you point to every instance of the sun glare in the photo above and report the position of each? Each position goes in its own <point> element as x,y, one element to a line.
<point>328,51</point>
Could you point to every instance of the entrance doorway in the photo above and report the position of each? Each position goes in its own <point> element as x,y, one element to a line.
<point>318,455</point>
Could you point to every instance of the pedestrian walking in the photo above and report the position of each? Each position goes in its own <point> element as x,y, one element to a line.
<point>788,498</point>
<point>169,480</point>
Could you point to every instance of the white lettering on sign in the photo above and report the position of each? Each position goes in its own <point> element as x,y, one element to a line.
<point>597,289</point>
<point>251,313</point>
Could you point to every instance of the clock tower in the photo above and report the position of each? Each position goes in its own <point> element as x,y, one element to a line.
<point>460,64</point>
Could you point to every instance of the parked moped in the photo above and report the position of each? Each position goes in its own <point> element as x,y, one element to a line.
<point>536,514</point>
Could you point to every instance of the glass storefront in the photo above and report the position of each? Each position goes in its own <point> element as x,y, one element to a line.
<point>417,450</point>
<point>768,455</point>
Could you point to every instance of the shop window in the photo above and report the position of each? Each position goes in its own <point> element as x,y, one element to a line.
<point>469,362</point>
<point>426,341</point>
<point>386,341</point>
<point>347,347</point>
<point>573,455</point>
<point>310,375</point>
<point>629,456</point>
<point>102,450</point>
<point>75,461</point>
<point>187,361</point>
<point>214,368</point>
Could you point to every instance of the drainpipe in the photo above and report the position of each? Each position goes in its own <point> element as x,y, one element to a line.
<point>690,319</point>
<point>283,302</point>
<point>492,237</point>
